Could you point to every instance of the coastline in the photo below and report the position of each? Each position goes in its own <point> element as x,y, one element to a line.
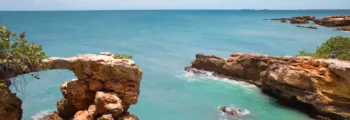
<point>289,87</point>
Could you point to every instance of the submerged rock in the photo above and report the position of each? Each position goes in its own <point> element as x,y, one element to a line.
<point>319,87</point>
<point>310,27</point>
<point>344,28</point>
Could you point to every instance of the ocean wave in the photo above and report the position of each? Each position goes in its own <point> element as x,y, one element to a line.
<point>192,77</point>
<point>41,114</point>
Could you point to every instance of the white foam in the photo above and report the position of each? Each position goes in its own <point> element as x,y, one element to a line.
<point>41,114</point>
<point>192,77</point>
<point>225,116</point>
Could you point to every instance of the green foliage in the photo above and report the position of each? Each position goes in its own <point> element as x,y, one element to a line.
<point>122,56</point>
<point>338,47</point>
<point>305,53</point>
<point>17,56</point>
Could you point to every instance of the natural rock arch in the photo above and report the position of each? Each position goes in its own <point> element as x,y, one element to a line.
<point>105,88</point>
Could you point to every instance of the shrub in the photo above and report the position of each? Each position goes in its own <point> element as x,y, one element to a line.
<point>122,56</point>
<point>335,47</point>
<point>17,56</point>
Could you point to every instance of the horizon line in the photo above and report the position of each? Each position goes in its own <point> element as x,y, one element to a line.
<point>173,10</point>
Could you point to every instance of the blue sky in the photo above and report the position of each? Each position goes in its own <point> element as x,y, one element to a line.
<point>170,4</point>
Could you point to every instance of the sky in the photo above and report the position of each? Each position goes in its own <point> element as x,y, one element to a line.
<point>170,4</point>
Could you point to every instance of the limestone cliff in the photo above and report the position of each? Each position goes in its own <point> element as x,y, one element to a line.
<point>319,87</point>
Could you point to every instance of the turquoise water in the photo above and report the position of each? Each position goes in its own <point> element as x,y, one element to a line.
<point>163,43</point>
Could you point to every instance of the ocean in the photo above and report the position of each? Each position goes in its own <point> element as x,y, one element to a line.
<point>162,43</point>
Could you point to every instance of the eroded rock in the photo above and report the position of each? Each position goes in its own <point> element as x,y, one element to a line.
<point>319,87</point>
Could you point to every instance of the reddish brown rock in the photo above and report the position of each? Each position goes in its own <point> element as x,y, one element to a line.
<point>66,109</point>
<point>299,21</point>
<point>10,104</point>
<point>105,86</point>
<point>344,28</point>
<point>95,85</point>
<point>79,95</point>
<point>334,21</point>
<point>106,117</point>
<point>108,102</point>
<point>317,86</point>
<point>83,115</point>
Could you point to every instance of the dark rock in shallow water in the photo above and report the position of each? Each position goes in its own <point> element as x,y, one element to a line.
<point>319,87</point>
<point>344,28</point>
<point>310,27</point>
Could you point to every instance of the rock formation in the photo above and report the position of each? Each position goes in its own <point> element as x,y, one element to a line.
<point>296,20</point>
<point>334,21</point>
<point>310,27</point>
<point>10,104</point>
<point>319,87</point>
<point>104,90</point>
<point>344,28</point>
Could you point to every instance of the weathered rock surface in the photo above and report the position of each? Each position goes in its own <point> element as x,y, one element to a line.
<point>10,104</point>
<point>334,21</point>
<point>344,28</point>
<point>105,88</point>
<point>319,87</point>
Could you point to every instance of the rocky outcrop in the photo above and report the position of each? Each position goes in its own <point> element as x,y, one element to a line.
<point>344,28</point>
<point>334,21</point>
<point>10,104</point>
<point>104,90</point>
<point>310,27</point>
<point>296,20</point>
<point>318,87</point>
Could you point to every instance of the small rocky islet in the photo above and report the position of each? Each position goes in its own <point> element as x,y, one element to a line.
<point>340,21</point>
<point>318,87</point>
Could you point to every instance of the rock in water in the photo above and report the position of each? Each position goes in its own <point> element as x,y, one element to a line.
<point>104,90</point>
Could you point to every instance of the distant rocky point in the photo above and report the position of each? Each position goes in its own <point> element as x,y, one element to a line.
<point>341,21</point>
<point>319,87</point>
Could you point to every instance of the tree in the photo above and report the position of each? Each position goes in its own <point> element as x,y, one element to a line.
<point>335,47</point>
<point>17,56</point>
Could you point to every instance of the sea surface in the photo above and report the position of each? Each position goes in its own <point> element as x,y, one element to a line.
<point>163,43</point>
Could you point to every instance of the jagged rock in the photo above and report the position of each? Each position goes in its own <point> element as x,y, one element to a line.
<point>83,115</point>
<point>10,106</point>
<point>53,116</point>
<point>334,21</point>
<point>108,102</point>
<point>63,89</point>
<point>298,21</point>
<point>65,109</point>
<point>344,28</point>
<point>95,85</point>
<point>106,117</point>
<point>319,87</point>
<point>79,95</point>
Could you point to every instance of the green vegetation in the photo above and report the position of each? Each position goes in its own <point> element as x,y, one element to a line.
<point>335,47</point>
<point>122,56</point>
<point>17,56</point>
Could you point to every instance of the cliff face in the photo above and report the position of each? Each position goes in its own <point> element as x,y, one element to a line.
<point>104,90</point>
<point>316,86</point>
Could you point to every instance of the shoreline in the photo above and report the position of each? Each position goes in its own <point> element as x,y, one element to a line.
<point>288,87</point>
